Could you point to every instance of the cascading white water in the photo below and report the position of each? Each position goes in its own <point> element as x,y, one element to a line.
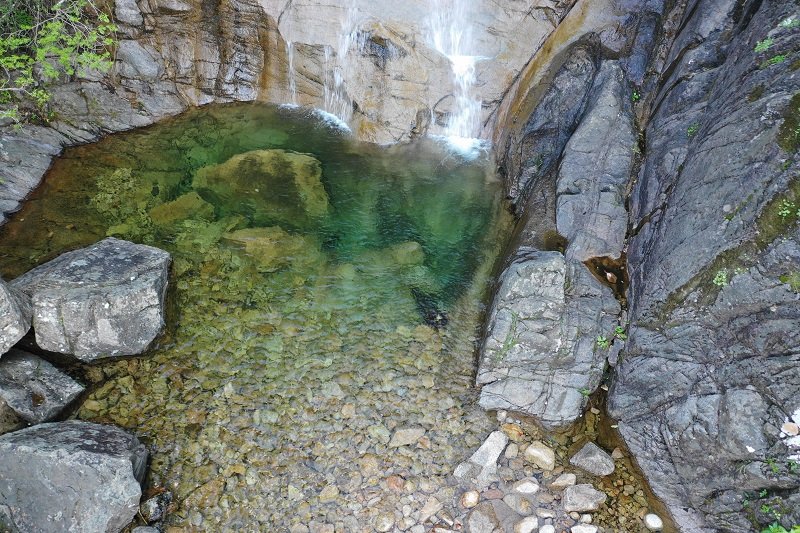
<point>337,68</point>
<point>292,73</point>
<point>451,36</point>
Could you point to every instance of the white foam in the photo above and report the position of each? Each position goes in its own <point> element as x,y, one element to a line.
<point>331,119</point>
<point>468,148</point>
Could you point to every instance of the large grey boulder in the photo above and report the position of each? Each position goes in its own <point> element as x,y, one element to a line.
<point>15,316</point>
<point>104,300</point>
<point>595,169</point>
<point>36,390</point>
<point>71,477</point>
<point>539,357</point>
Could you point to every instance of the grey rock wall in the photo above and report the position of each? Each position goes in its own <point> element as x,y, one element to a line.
<point>710,372</point>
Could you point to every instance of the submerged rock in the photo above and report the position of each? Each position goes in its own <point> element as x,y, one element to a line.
<point>15,316</point>
<point>481,467</point>
<point>266,186</point>
<point>273,248</point>
<point>187,206</point>
<point>36,390</point>
<point>85,474</point>
<point>539,357</point>
<point>101,301</point>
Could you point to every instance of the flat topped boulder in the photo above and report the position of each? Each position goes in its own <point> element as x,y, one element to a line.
<point>15,316</point>
<point>71,476</point>
<point>33,388</point>
<point>101,301</point>
<point>266,186</point>
<point>539,357</point>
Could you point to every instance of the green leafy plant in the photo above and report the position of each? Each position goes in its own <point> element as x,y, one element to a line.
<point>721,278</point>
<point>763,46</point>
<point>635,96</point>
<point>774,60</point>
<point>619,333</point>
<point>773,465</point>
<point>603,342</point>
<point>794,466</point>
<point>777,528</point>
<point>585,392</point>
<point>692,130</point>
<point>41,40</point>
<point>786,208</point>
<point>763,493</point>
<point>790,22</point>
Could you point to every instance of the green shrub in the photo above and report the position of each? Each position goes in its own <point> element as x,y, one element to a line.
<point>41,40</point>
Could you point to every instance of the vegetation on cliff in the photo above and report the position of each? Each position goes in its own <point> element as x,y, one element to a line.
<point>41,40</point>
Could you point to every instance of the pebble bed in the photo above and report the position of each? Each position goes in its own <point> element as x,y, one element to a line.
<point>311,397</point>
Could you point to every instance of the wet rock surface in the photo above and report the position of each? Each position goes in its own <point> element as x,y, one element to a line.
<point>15,316</point>
<point>33,388</point>
<point>86,474</point>
<point>539,357</point>
<point>710,371</point>
<point>104,300</point>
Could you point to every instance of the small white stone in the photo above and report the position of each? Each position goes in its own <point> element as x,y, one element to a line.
<point>540,455</point>
<point>584,528</point>
<point>512,451</point>
<point>586,519</point>
<point>502,415</point>
<point>470,499</point>
<point>384,523</point>
<point>529,524</point>
<point>545,513</point>
<point>653,522</point>
<point>563,481</point>
<point>526,486</point>
<point>547,529</point>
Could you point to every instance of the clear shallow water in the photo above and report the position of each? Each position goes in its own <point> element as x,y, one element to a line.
<point>308,272</point>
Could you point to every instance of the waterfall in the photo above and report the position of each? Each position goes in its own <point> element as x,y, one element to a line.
<point>337,68</point>
<point>292,73</point>
<point>451,36</point>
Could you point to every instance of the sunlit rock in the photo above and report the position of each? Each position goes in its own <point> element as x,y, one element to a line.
<point>104,300</point>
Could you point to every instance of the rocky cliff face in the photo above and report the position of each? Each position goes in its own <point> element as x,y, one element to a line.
<point>710,374</point>
<point>706,386</point>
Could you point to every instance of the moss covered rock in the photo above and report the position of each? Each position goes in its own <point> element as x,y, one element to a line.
<point>267,186</point>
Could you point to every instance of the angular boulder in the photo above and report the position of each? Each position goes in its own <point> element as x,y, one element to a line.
<point>33,388</point>
<point>582,498</point>
<point>593,459</point>
<point>70,476</point>
<point>15,316</point>
<point>101,301</point>
<point>539,357</point>
<point>266,186</point>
